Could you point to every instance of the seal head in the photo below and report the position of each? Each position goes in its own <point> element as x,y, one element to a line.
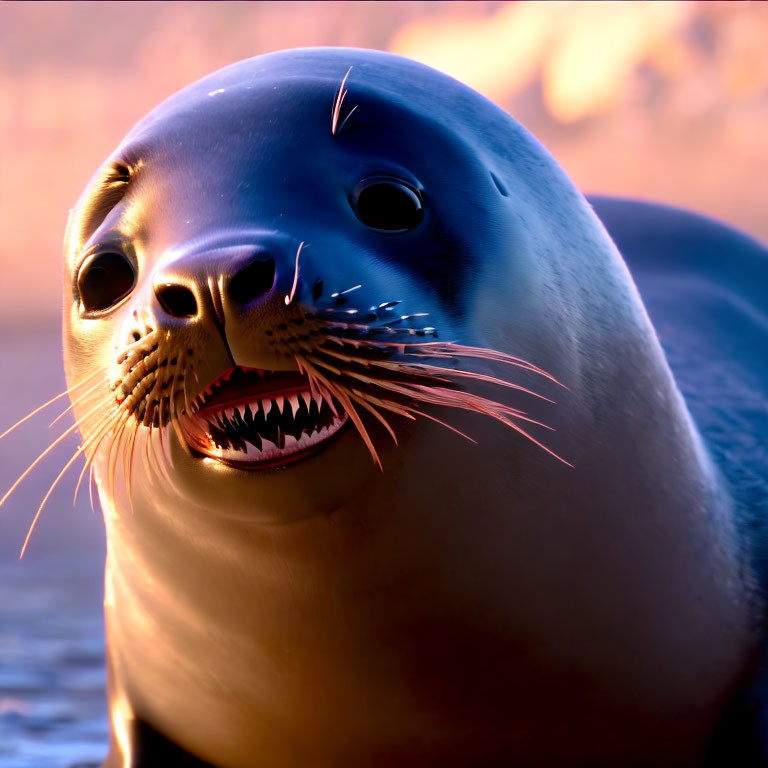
<point>318,264</point>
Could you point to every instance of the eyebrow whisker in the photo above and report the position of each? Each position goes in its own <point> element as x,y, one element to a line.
<point>344,121</point>
<point>337,102</point>
<point>289,297</point>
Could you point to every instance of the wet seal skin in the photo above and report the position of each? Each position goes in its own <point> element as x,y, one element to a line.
<point>393,466</point>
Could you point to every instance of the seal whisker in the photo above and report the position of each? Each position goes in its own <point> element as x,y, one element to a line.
<point>348,407</point>
<point>80,449</point>
<point>86,465</point>
<point>442,349</point>
<point>325,364</point>
<point>164,419</point>
<point>444,424</point>
<point>46,497</point>
<point>128,452</point>
<point>185,394</point>
<point>158,453</point>
<point>346,119</point>
<point>128,431</point>
<point>399,409</point>
<point>51,402</point>
<point>89,459</point>
<point>114,448</point>
<point>148,453</point>
<point>155,435</point>
<point>155,464</point>
<point>289,297</point>
<point>408,411</point>
<point>435,392</point>
<point>338,100</point>
<point>76,402</point>
<point>99,434</point>
<point>137,349</point>
<point>431,372</point>
<point>174,416</point>
<point>48,450</point>
<point>369,407</point>
<point>90,489</point>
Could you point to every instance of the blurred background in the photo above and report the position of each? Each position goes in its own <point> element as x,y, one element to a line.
<point>666,101</point>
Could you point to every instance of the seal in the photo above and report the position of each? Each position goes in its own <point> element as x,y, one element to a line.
<point>394,469</point>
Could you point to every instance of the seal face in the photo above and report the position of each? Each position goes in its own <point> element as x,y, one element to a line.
<point>317,265</point>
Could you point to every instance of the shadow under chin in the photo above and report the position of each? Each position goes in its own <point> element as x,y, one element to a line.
<point>153,750</point>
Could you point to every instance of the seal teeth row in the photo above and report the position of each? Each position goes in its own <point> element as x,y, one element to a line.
<point>273,419</point>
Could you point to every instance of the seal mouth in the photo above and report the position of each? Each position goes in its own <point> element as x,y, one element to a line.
<point>252,418</point>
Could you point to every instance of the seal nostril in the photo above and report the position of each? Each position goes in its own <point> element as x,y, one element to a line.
<point>176,300</point>
<point>252,281</point>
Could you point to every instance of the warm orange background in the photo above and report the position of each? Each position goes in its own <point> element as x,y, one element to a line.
<point>661,100</point>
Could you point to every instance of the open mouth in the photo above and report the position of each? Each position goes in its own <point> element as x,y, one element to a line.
<point>256,419</point>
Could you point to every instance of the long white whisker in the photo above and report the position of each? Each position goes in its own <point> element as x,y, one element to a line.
<point>76,402</point>
<point>47,451</point>
<point>51,402</point>
<point>80,449</point>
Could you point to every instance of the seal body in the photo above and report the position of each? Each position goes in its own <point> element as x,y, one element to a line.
<point>288,585</point>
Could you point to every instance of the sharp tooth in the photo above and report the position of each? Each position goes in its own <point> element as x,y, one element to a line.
<point>280,400</point>
<point>319,400</point>
<point>306,397</point>
<point>294,401</point>
<point>266,406</point>
<point>255,441</point>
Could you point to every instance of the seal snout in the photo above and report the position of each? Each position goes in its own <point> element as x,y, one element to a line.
<point>223,280</point>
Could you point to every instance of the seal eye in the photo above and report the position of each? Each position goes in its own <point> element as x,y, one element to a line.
<point>387,205</point>
<point>104,279</point>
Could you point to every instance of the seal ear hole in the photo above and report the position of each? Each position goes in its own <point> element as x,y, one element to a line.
<point>388,205</point>
<point>104,279</point>
<point>502,189</point>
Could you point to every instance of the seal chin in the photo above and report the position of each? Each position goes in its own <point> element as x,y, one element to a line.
<point>252,419</point>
